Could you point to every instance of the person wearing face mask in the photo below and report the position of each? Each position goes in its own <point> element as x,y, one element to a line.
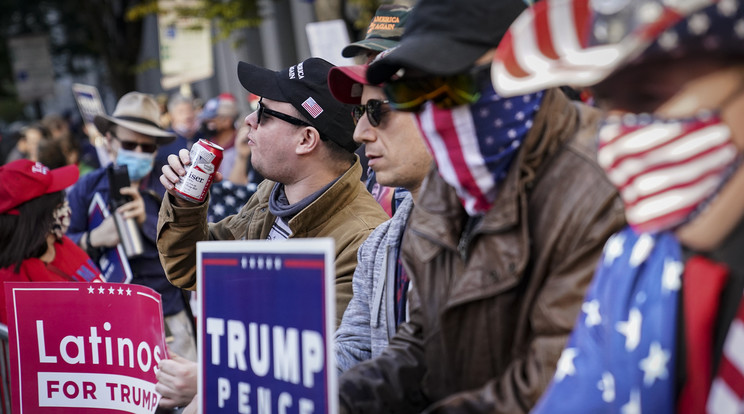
<point>33,219</point>
<point>133,136</point>
<point>218,125</point>
<point>503,239</point>
<point>662,324</point>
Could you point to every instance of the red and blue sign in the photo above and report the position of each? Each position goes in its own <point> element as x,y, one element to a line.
<point>266,326</point>
<point>84,347</point>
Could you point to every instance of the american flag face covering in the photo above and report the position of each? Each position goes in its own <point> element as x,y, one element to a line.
<point>665,169</point>
<point>474,145</point>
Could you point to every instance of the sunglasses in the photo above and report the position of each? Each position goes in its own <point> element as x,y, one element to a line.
<point>409,94</point>
<point>284,117</point>
<point>373,108</point>
<point>131,146</point>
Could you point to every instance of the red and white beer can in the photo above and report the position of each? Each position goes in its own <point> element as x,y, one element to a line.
<point>205,160</point>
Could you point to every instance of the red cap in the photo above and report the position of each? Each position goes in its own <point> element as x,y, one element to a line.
<point>345,83</point>
<point>24,180</point>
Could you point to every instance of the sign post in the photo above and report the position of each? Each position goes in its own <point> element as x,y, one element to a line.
<point>267,324</point>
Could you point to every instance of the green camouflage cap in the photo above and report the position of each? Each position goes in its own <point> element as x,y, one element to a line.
<point>383,33</point>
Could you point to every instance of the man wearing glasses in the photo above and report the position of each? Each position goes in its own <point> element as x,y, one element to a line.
<point>301,142</point>
<point>399,158</point>
<point>505,234</point>
<point>133,135</point>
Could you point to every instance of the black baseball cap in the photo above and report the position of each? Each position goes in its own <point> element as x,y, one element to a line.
<point>445,37</point>
<point>305,86</point>
<point>384,31</point>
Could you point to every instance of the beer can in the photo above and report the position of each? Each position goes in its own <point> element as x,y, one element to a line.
<point>205,160</point>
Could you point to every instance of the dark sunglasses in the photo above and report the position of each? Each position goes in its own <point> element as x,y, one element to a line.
<point>131,146</point>
<point>374,111</point>
<point>284,117</point>
<point>409,94</point>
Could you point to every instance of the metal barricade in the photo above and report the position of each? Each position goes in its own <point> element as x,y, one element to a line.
<point>4,370</point>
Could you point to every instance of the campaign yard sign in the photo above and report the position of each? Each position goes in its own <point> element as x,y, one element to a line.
<point>267,326</point>
<point>84,347</point>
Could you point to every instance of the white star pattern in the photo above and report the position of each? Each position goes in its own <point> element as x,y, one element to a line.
<point>631,329</point>
<point>218,209</point>
<point>519,116</point>
<point>490,140</point>
<point>129,292</point>
<point>101,289</point>
<point>120,290</point>
<point>613,249</point>
<point>607,386</point>
<point>484,112</point>
<point>668,40</point>
<point>727,7</point>
<point>739,29</point>
<point>508,105</point>
<point>698,24</point>
<point>244,262</point>
<point>230,200</point>
<point>111,290</point>
<point>566,364</point>
<point>654,365</point>
<point>498,123</point>
<point>641,250</point>
<point>591,309</point>
<point>90,289</point>
<point>633,406</point>
<point>671,278</point>
<point>512,134</point>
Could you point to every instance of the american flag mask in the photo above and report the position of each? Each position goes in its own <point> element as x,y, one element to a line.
<point>666,169</point>
<point>473,145</point>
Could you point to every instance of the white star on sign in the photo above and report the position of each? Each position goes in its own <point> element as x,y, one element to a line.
<point>654,365</point>
<point>591,309</point>
<point>631,329</point>
<point>129,292</point>
<point>101,290</point>
<point>641,250</point>
<point>634,405</point>
<point>90,289</point>
<point>613,249</point>
<point>671,278</point>
<point>566,364</point>
<point>668,40</point>
<point>111,290</point>
<point>607,386</point>
<point>120,290</point>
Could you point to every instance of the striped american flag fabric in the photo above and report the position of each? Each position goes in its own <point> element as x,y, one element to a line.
<point>727,392</point>
<point>312,107</point>
<point>473,145</point>
<point>662,169</point>
<point>578,42</point>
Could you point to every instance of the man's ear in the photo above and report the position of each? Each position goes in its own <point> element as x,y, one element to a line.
<point>309,140</point>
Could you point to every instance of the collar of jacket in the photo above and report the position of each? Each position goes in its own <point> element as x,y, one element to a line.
<point>440,218</point>
<point>338,196</point>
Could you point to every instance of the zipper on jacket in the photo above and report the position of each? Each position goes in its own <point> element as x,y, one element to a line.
<point>467,236</point>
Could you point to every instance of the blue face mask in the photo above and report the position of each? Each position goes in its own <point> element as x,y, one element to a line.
<point>139,164</point>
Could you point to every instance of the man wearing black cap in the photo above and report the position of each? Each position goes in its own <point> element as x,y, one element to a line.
<point>505,234</point>
<point>301,141</point>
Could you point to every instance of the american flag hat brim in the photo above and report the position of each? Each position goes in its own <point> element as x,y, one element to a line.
<point>579,42</point>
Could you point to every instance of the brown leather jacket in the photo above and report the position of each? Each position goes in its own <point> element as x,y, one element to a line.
<point>494,301</point>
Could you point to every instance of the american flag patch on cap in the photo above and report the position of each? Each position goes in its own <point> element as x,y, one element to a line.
<point>312,107</point>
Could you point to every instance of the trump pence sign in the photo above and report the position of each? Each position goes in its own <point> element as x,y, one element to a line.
<point>84,347</point>
<point>267,326</point>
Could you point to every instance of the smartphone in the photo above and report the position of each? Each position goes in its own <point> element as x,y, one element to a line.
<point>118,177</point>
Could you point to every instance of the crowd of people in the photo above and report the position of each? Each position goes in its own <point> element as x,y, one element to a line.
<point>549,222</point>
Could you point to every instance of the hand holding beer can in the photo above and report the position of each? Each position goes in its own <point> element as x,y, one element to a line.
<point>205,160</point>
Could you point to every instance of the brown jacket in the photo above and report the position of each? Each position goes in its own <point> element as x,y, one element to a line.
<point>345,212</point>
<point>492,307</point>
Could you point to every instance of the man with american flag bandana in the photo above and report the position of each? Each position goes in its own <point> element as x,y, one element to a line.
<point>662,325</point>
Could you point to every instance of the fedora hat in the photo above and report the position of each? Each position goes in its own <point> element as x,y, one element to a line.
<point>138,112</point>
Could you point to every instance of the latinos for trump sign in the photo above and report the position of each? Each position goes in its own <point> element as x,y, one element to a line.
<point>267,326</point>
<point>84,347</point>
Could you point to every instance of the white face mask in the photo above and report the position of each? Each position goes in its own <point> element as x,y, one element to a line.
<point>666,169</point>
<point>61,220</point>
